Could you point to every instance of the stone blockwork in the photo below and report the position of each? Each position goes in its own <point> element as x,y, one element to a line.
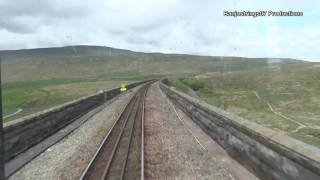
<point>21,134</point>
<point>268,154</point>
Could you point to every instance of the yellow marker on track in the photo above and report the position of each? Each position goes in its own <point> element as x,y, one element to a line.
<point>123,87</point>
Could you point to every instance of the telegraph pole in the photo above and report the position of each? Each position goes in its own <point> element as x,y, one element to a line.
<point>2,175</point>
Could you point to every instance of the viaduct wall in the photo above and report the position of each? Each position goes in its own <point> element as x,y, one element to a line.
<point>25,132</point>
<point>268,154</point>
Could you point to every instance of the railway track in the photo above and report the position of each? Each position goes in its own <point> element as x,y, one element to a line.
<point>120,155</point>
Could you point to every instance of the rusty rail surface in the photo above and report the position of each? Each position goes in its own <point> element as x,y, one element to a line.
<point>120,155</point>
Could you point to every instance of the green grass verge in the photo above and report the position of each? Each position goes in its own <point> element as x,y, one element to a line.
<point>277,98</point>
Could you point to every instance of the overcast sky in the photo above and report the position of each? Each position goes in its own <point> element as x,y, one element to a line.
<point>170,26</point>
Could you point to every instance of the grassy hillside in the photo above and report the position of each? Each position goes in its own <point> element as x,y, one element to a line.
<point>285,98</point>
<point>40,78</point>
<point>58,52</point>
<point>282,94</point>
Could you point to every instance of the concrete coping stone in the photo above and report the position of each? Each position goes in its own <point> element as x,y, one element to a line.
<point>298,150</point>
<point>33,117</point>
<point>53,109</point>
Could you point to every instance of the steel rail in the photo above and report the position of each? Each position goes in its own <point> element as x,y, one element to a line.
<point>121,138</point>
<point>93,159</point>
<point>129,146</point>
<point>105,173</point>
<point>142,134</point>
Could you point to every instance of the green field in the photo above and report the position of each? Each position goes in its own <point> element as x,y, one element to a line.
<point>285,98</point>
<point>33,96</point>
<point>33,82</point>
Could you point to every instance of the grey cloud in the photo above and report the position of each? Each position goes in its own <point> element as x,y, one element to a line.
<point>177,26</point>
<point>13,8</point>
<point>15,27</point>
<point>27,16</point>
<point>47,8</point>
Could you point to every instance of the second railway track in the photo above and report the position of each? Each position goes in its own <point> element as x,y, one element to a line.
<point>120,155</point>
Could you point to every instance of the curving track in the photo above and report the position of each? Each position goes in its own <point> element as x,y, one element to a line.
<point>120,155</point>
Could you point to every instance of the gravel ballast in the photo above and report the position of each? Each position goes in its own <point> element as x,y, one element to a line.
<point>171,152</point>
<point>69,157</point>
